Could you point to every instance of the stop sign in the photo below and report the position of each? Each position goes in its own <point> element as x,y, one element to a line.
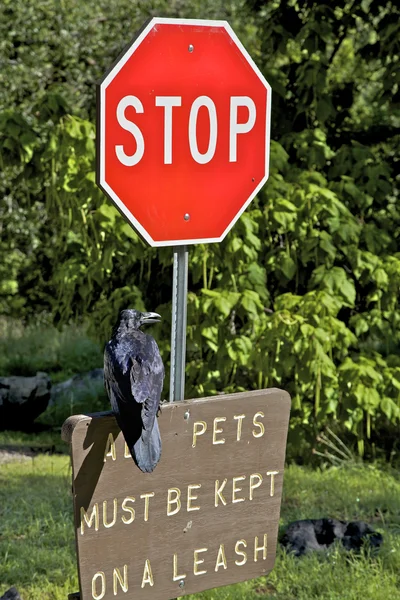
<point>183,131</point>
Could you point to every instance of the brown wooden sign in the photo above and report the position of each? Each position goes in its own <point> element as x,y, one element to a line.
<point>206,517</point>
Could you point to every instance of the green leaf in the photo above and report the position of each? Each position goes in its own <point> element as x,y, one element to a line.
<point>109,212</point>
<point>251,302</point>
<point>287,266</point>
<point>389,408</point>
<point>336,282</point>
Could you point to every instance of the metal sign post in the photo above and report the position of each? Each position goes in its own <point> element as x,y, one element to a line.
<point>178,329</point>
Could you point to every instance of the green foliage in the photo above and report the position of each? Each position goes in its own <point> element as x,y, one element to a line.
<point>61,353</point>
<point>303,293</point>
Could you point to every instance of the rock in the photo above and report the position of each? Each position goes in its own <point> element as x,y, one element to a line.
<point>22,399</point>
<point>357,533</point>
<point>318,534</point>
<point>11,594</point>
<point>77,384</point>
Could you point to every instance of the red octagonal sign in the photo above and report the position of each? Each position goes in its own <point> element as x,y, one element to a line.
<point>183,131</point>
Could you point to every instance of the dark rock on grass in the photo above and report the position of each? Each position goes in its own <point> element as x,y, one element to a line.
<point>318,534</point>
<point>77,384</point>
<point>22,399</point>
<point>357,533</point>
<point>11,594</point>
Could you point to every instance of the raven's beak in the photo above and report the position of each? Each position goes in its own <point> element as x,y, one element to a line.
<point>150,317</point>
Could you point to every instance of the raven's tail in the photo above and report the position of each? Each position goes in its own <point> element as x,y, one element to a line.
<point>146,452</point>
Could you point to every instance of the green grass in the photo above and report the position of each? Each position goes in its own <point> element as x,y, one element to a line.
<point>37,541</point>
<point>24,350</point>
<point>43,441</point>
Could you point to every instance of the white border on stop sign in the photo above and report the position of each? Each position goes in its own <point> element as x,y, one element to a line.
<point>120,62</point>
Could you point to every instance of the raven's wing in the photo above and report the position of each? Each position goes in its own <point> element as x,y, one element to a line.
<point>134,384</point>
<point>147,377</point>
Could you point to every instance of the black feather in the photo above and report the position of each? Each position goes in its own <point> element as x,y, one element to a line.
<point>133,377</point>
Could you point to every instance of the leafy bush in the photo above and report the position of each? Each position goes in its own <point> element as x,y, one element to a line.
<point>303,293</point>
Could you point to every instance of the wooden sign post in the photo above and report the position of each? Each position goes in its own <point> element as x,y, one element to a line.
<point>206,517</point>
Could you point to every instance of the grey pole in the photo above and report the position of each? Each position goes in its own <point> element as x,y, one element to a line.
<point>178,329</point>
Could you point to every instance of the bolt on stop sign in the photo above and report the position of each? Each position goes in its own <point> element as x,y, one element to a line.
<point>183,131</point>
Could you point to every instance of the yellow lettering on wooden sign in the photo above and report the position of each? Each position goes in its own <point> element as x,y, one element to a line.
<point>257,548</point>
<point>171,501</point>
<point>117,578</point>
<point>199,427</point>
<point>241,553</point>
<point>176,576</point>
<point>272,489</point>
<point>146,504</point>
<point>191,497</point>
<point>130,509</point>
<point>127,452</point>
<point>147,574</point>
<point>239,419</point>
<point>89,520</point>
<point>218,492</point>
<point>198,561</point>
<point>255,482</point>
<point>102,593</point>
<point>110,448</point>
<point>235,489</point>
<point>218,430</point>
<point>258,434</point>
<point>221,558</point>
<point>114,518</point>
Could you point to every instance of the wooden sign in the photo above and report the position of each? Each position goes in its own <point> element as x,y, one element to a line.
<point>206,517</point>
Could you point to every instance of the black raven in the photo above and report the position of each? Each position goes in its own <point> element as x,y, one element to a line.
<point>133,377</point>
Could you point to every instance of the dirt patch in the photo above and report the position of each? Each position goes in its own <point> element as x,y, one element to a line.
<point>14,453</point>
<point>8,456</point>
